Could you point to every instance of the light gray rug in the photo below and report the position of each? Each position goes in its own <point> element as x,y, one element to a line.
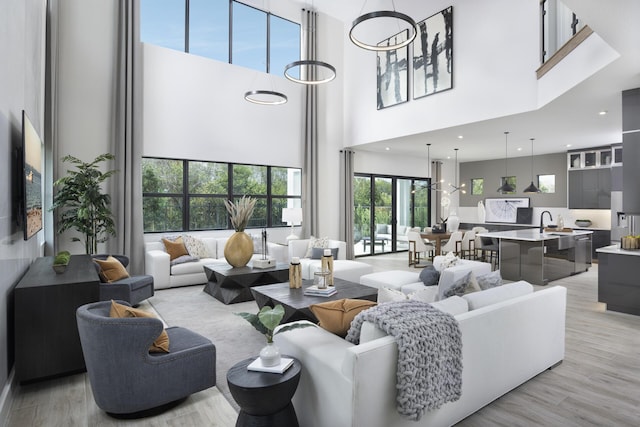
<point>235,339</point>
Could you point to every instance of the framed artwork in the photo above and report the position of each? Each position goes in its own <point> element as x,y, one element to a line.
<point>504,209</point>
<point>433,54</point>
<point>392,73</point>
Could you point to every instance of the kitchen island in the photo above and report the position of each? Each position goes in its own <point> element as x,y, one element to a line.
<point>618,284</point>
<point>540,258</point>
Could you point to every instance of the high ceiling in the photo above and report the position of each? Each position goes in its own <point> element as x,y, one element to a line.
<point>572,118</point>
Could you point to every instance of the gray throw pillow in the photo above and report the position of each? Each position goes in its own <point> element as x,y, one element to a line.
<point>464,285</point>
<point>317,253</point>
<point>489,280</point>
<point>429,276</point>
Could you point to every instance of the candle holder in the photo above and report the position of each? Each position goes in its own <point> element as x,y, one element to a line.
<point>321,279</point>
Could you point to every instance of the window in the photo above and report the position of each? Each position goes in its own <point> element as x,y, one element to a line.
<point>222,30</point>
<point>547,183</point>
<point>477,186</point>
<point>183,195</point>
<point>511,180</point>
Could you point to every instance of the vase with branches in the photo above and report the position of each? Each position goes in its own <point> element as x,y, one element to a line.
<point>239,248</point>
<point>82,205</point>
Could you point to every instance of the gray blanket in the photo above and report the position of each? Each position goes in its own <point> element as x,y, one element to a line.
<point>429,372</point>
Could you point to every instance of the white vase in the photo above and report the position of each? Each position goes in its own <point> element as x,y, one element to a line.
<point>270,355</point>
<point>453,222</point>
<point>482,214</point>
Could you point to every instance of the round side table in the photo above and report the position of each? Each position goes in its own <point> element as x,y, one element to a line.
<point>264,398</point>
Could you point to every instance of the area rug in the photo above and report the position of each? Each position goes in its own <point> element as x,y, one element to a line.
<point>235,339</point>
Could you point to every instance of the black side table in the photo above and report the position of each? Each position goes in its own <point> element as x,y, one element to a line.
<point>264,398</point>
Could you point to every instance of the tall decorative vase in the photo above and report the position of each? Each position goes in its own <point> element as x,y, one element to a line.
<point>239,249</point>
<point>270,355</point>
<point>453,222</point>
<point>482,214</point>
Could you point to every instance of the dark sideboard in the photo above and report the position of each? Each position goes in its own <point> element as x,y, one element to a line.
<point>47,343</point>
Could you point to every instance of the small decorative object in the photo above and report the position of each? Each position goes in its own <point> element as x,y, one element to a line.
<point>265,322</point>
<point>321,279</point>
<point>265,261</point>
<point>630,243</point>
<point>453,222</point>
<point>560,222</point>
<point>295,273</point>
<point>327,265</point>
<point>481,212</point>
<point>61,261</point>
<point>583,222</point>
<point>239,248</point>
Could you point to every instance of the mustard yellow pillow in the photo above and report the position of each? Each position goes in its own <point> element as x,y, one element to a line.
<point>161,344</point>
<point>111,270</point>
<point>175,248</point>
<point>336,316</point>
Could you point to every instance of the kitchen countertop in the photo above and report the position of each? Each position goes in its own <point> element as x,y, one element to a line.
<point>615,250</point>
<point>533,234</point>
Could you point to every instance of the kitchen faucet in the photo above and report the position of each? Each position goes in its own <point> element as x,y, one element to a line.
<point>542,216</point>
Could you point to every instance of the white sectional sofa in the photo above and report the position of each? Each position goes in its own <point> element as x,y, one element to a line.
<point>165,275</point>
<point>342,268</point>
<point>509,335</point>
<point>409,281</point>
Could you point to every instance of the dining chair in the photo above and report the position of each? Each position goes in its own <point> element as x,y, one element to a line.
<point>452,243</point>
<point>467,245</point>
<point>418,246</point>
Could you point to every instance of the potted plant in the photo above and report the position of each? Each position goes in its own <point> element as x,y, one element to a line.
<point>61,261</point>
<point>239,248</point>
<point>265,322</point>
<point>81,203</point>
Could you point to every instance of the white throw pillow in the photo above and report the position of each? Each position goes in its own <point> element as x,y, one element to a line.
<point>195,247</point>
<point>390,295</point>
<point>428,294</point>
<point>453,305</point>
<point>316,243</point>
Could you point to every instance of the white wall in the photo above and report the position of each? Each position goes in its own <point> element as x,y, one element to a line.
<point>22,49</point>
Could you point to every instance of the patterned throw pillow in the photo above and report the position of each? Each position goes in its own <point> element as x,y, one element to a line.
<point>316,243</point>
<point>196,247</point>
<point>489,280</point>
<point>449,260</point>
<point>464,285</point>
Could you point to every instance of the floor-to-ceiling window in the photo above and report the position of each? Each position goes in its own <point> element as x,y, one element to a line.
<point>385,207</point>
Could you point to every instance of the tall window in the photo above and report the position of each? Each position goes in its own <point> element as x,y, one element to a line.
<point>223,30</point>
<point>183,195</point>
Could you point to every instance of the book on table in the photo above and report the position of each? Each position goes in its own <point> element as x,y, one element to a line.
<point>316,291</point>
<point>285,363</point>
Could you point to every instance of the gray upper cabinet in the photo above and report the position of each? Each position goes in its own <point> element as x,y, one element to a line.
<point>590,189</point>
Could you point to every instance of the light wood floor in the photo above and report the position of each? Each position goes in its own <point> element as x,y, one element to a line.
<point>598,384</point>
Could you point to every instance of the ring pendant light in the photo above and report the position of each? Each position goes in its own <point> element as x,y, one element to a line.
<point>310,79</point>
<point>383,14</point>
<point>265,97</point>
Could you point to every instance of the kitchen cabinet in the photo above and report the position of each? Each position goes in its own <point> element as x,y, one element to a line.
<point>590,188</point>
<point>599,239</point>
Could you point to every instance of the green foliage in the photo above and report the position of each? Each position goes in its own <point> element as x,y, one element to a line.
<point>268,319</point>
<point>62,258</point>
<point>81,204</point>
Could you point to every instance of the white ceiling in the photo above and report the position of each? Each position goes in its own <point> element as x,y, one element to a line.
<point>570,119</point>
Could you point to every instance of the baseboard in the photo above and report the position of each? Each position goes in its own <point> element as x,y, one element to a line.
<point>6,399</point>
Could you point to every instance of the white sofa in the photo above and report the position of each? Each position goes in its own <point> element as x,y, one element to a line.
<point>165,275</point>
<point>505,342</point>
<point>342,268</point>
<point>409,281</point>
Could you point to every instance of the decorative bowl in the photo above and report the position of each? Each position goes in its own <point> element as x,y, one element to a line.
<point>583,223</point>
<point>59,268</point>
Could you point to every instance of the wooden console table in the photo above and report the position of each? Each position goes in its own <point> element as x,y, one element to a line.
<point>47,343</point>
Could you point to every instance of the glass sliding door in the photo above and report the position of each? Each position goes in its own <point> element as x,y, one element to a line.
<point>385,208</point>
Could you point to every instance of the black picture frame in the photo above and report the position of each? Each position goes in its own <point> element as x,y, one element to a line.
<point>392,73</point>
<point>435,34</point>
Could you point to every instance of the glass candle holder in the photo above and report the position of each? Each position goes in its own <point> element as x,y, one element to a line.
<point>321,279</point>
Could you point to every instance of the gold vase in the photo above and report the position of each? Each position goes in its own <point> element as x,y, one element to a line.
<point>238,249</point>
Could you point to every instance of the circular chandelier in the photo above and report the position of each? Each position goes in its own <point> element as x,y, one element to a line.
<point>383,14</point>
<point>265,97</point>
<point>311,64</point>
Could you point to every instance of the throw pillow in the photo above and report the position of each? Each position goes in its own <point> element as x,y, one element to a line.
<point>390,295</point>
<point>336,316</point>
<point>316,243</point>
<point>196,247</point>
<point>317,253</point>
<point>429,276</point>
<point>428,294</point>
<point>182,259</point>
<point>175,248</point>
<point>449,260</point>
<point>111,270</point>
<point>464,285</point>
<point>490,280</point>
<point>161,344</point>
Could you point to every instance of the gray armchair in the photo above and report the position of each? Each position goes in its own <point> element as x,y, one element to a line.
<point>134,289</point>
<point>125,378</point>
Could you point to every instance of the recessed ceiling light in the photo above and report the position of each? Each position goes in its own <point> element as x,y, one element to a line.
<point>603,112</point>
<point>387,148</point>
<point>448,157</point>
<point>568,145</point>
<point>460,136</point>
<point>519,148</point>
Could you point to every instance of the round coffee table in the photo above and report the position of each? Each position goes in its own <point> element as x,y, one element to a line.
<point>264,398</point>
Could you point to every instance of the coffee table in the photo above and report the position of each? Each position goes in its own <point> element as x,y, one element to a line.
<point>232,284</point>
<point>296,303</point>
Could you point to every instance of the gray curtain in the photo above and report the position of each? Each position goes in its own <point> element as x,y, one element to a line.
<point>310,132</point>
<point>346,199</point>
<point>126,143</point>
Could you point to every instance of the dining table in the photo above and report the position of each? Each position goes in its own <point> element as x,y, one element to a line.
<point>437,238</point>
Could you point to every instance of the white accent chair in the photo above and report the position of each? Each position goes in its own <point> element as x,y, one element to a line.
<point>418,246</point>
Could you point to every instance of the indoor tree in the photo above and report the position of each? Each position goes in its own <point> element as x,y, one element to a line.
<point>82,205</point>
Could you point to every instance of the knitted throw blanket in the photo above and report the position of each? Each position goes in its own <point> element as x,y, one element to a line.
<point>429,372</point>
